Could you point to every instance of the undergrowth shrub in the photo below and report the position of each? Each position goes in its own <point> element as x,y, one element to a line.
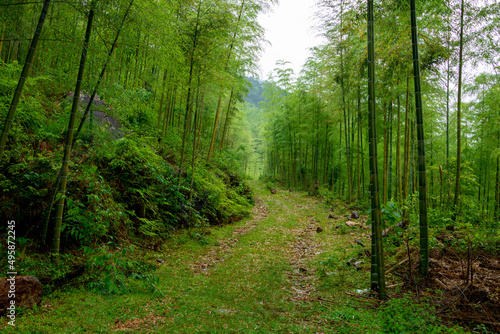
<point>220,198</point>
<point>406,315</point>
<point>125,189</point>
<point>92,213</point>
<point>25,189</point>
<point>48,272</point>
<point>113,272</point>
<point>134,108</point>
<point>147,186</point>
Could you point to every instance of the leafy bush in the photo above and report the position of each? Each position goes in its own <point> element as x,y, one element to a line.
<point>409,316</point>
<point>47,271</point>
<point>221,197</point>
<point>122,188</point>
<point>112,272</point>
<point>391,214</point>
<point>146,184</point>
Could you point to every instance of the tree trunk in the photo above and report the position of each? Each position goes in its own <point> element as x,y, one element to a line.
<point>103,71</point>
<point>198,112</point>
<point>389,172</point>
<point>360,171</point>
<point>497,190</point>
<point>69,138</point>
<point>422,178</point>
<point>378,271</point>
<point>406,158</point>
<point>229,55</point>
<point>24,75</point>
<point>226,122</point>
<point>459,118</point>
<point>497,186</point>
<point>398,157</point>
<point>188,112</point>
<point>161,111</point>
<point>385,162</point>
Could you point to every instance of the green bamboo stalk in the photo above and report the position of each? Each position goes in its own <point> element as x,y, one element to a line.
<point>24,75</point>
<point>422,177</point>
<point>226,123</point>
<point>69,139</point>
<point>103,71</point>
<point>378,271</point>
<point>456,200</point>
<point>497,190</point>
<point>229,55</point>
<point>75,137</point>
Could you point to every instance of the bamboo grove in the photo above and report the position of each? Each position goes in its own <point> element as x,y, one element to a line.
<point>376,113</point>
<point>183,53</point>
<point>317,134</point>
<point>182,63</point>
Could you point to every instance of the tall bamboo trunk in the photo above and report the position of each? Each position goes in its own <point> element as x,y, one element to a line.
<point>422,178</point>
<point>103,71</point>
<point>360,171</point>
<point>198,111</point>
<point>378,271</point>
<point>459,118</point>
<point>162,99</point>
<point>406,158</point>
<point>413,157</point>
<point>82,122</point>
<point>385,163</point>
<point>327,158</point>
<point>229,55</point>
<point>339,177</point>
<point>200,122</point>
<point>226,122</point>
<point>24,75</point>
<point>188,110</point>
<point>497,190</point>
<point>398,157</point>
<point>2,36</point>
<point>389,172</point>
<point>69,138</point>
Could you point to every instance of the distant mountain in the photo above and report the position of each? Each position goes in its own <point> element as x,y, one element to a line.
<point>255,92</point>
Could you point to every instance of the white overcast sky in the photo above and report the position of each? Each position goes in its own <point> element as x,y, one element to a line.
<point>290,30</point>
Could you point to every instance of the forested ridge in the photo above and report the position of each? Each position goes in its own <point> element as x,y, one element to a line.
<point>139,147</point>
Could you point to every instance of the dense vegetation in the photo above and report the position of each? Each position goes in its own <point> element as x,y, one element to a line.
<point>318,123</point>
<point>127,121</point>
<point>427,98</point>
<point>157,151</point>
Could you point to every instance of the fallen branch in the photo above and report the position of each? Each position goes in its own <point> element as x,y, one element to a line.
<point>388,271</point>
<point>441,284</point>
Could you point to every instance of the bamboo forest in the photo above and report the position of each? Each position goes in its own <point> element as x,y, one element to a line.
<point>154,180</point>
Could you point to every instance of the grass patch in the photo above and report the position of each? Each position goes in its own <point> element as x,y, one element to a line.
<point>269,273</point>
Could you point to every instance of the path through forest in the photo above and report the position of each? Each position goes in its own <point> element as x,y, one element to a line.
<point>282,270</point>
<point>260,276</point>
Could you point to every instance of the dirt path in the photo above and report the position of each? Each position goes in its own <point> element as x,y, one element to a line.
<point>261,275</point>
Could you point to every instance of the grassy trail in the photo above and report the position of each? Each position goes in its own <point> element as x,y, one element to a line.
<point>260,275</point>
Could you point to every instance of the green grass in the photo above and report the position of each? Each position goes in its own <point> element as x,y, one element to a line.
<point>221,280</point>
